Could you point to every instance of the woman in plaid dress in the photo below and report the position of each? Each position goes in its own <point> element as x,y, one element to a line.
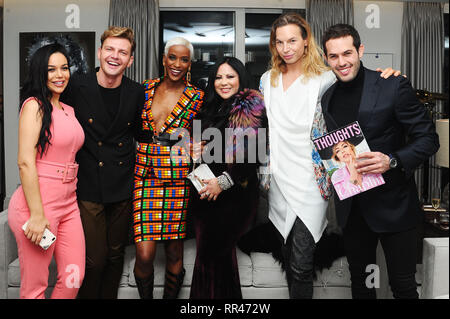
<point>161,190</point>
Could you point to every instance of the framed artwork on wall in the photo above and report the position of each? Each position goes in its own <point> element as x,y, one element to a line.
<point>79,45</point>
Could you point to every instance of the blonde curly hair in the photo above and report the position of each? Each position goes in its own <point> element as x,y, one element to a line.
<point>312,60</point>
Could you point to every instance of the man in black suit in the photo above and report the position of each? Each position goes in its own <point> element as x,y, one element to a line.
<point>107,104</point>
<point>401,136</point>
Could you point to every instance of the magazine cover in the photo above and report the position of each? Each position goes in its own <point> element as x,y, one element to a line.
<point>338,150</point>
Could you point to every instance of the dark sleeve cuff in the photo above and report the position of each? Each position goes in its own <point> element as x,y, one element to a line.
<point>399,161</point>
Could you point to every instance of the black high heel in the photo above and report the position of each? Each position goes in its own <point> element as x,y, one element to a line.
<point>173,284</point>
<point>145,286</point>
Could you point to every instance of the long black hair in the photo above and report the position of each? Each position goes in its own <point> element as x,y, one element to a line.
<point>215,109</point>
<point>35,86</point>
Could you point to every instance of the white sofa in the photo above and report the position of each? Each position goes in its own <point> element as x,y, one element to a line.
<point>435,268</point>
<point>261,276</point>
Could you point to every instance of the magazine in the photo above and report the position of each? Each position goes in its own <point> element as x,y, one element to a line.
<point>338,150</point>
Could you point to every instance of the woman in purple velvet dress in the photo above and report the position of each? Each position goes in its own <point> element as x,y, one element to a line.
<point>224,208</point>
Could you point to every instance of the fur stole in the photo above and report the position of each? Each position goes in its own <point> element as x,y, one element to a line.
<point>247,115</point>
<point>265,238</point>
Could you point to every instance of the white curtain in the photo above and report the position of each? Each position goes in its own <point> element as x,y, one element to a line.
<point>143,17</point>
<point>423,62</point>
<point>322,14</point>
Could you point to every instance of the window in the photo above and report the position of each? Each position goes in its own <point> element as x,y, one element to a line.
<point>211,33</point>
<point>243,33</point>
<point>257,36</point>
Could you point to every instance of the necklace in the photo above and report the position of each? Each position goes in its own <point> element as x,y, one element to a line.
<point>59,106</point>
<point>64,111</point>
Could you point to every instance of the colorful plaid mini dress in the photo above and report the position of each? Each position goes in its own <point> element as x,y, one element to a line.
<point>161,189</point>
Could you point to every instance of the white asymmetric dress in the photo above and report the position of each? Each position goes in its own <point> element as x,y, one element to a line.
<point>293,189</point>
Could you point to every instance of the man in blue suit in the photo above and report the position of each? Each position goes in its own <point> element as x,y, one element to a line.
<point>401,136</point>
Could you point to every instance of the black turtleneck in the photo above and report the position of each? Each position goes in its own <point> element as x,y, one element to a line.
<point>111,99</point>
<point>344,104</point>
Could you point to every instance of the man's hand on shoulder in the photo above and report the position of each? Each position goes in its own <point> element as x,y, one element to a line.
<point>388,72</point>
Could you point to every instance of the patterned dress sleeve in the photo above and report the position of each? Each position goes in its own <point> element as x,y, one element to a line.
<point>319,129</point>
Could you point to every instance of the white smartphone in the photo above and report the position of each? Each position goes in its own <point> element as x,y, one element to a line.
<point>48,238</point>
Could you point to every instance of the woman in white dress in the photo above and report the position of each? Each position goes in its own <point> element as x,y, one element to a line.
<point>299,187</point>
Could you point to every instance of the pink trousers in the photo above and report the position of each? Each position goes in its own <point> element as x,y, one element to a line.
<point>61,210</point>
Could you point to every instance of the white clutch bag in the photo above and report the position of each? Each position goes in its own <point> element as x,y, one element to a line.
<point>201,172</point>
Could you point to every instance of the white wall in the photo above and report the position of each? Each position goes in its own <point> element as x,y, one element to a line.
<point>36,16</point>
<point>379,24</point>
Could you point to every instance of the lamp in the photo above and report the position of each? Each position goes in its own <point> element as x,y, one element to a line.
<point>442,154</point>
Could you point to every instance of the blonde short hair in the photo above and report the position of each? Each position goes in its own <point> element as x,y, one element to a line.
<point>119,32</point>
<point>179,41</point>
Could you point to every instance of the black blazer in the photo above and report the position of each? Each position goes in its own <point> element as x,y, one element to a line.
<point>392,120</point>
<point>107,157</point>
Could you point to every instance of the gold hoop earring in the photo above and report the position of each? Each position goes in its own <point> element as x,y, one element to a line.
<point>188,76</point>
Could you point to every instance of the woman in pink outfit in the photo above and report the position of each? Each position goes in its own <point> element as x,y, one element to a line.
<point>49,138</point>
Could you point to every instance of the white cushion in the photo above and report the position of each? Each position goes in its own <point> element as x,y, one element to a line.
<point>244,262</point>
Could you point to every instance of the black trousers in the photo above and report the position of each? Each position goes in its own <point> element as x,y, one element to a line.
<point>106,228</point>
<point>400,250</point>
